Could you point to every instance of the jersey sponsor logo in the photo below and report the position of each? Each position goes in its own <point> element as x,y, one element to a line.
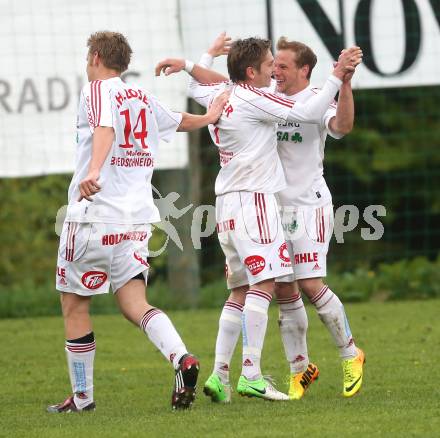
<point>306,257</point>
<point>61,276</point>
<point>61,272</point>
<point>132,162</point>
<point>141,259</point>
<point>93,279</point>
<point>114,239</point>
<point>255,264</point>
<point>225,156</point>
<point>289,125</point>
<point>284,136</point>
<point>223,226</point>
<point>283,254</point>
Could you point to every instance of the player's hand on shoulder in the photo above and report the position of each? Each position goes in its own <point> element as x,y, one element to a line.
<point>216,107</point>
<point>169,66</point>
<point>221,45</point>
<point>89,186</point>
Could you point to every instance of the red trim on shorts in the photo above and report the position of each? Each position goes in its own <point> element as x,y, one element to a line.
<point>258,217</point>
<point>266,222</point>
<point>320,226</point>
<point>70,242</point>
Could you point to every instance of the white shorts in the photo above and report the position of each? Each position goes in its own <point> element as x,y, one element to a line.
<point>250,234</point>
<point>93,256</point>
<point>307,231</point>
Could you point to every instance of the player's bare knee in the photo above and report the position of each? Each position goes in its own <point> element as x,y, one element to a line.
<point>74,306</point>
<point>267,286</point>
<point>284,290</point>
<point>238,294</point>
<point>311,286</point>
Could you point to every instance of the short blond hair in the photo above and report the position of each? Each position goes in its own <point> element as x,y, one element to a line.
<point>112,48</point>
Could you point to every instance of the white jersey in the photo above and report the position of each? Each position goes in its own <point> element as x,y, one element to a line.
<point>139,121</point>
<point>301,150</point>
<point>245,134</point>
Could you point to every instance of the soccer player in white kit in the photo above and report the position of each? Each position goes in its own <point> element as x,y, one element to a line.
<point>105,236</point>
<point>307,213</point>
<point>248,223</point>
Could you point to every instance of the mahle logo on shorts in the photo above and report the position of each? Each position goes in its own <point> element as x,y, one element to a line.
<point>255,264</point>
<point>93,279</point>
<point>283,254</point>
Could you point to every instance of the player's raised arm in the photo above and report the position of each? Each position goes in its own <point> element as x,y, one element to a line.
<point>200,74</point>
<point>314,109</point>
<point>342,123</point>
<point>220,46</point>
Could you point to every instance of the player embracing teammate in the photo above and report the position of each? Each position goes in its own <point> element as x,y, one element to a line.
<point>251,174</point>
<point>105,236</point>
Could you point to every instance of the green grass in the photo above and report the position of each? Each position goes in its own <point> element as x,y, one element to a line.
<point>400,396</point>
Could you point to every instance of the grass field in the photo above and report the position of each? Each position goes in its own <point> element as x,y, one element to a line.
<point>400,396</point>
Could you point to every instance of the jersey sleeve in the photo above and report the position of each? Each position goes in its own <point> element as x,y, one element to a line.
<point>167,121</point>
<point>314,109</point>
<point>203,94</point>
<point>98,104</point>
<point>330,113</point>
<point>262,105</point>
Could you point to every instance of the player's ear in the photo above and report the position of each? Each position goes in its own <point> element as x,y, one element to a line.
<point>250,72</point>
<point>305,69</point>
<point>95,58</point>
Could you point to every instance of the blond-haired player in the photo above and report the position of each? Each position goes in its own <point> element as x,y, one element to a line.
<point>105,236</point>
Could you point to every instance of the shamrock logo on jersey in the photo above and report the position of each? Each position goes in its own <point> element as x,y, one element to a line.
<point>297,138</point>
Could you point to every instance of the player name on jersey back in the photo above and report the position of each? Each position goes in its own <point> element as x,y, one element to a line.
<point>139,122</point>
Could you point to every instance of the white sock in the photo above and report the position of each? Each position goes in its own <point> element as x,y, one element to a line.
<point>229,329</point>
<point>80,357</point>
<point>293,324</point>
<point>254,324</point>
<point>332,314</point>
<point>161,332</point>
